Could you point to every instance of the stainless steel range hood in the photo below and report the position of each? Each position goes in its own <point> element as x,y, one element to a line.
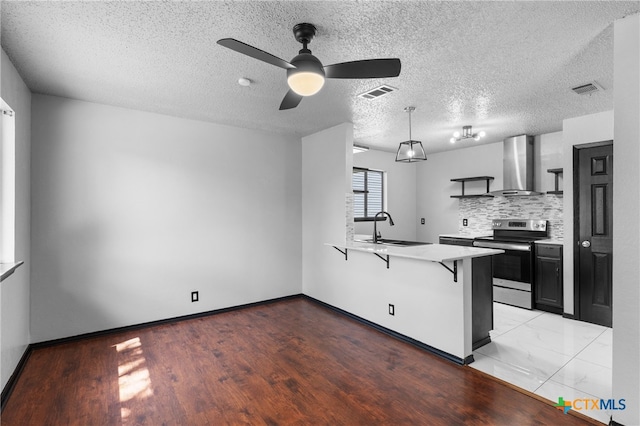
<point>517,167</point>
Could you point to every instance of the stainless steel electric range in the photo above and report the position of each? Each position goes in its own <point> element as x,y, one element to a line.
<point>513,271</point>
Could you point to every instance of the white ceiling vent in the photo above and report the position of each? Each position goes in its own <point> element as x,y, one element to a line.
<point>587,89</point>
<point>377,92</point>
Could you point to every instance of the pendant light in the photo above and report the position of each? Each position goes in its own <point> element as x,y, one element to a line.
<point>410,151</point>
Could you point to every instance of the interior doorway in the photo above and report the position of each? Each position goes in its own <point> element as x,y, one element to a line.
<point>593,212</point>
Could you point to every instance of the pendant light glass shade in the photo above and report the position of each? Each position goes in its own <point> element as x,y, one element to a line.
<point>410,151</point>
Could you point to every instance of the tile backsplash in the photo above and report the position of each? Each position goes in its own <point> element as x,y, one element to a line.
<point>349,200</point>
<point>480,211</point>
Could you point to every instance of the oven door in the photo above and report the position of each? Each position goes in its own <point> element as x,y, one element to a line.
<point>512,273</point>
<point>512,265</point>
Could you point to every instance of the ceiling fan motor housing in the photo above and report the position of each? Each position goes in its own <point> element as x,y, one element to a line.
<point>306,62</point>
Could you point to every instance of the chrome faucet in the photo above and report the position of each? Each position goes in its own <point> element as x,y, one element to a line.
<point>376,234</point>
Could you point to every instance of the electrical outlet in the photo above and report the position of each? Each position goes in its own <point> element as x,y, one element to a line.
<point>422,221</point>
<point>465,222</point>
<point>392,309</point>
<point>194,296</point>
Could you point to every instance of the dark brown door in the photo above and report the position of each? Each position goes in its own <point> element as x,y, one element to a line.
<point>594,247</point>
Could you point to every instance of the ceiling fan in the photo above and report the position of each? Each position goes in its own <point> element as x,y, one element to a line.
<point>306,74</point>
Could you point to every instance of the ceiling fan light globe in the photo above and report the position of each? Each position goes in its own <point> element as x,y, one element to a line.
<point>482,134</point>
<point>452,140</point>
<point>305,83</point>
<point>307,78</point>
<point>456,134</point>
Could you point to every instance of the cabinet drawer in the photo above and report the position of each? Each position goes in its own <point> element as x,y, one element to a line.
<point>548,250</point>
<point>457,241</point>
<point>512,297</point>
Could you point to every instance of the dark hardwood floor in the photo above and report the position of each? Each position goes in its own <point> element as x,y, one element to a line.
<point>289,362</point>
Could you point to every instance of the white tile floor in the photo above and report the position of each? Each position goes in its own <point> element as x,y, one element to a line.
<point>549,355</point>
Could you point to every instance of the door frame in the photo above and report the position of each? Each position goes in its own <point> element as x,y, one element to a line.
<point>576,220</point>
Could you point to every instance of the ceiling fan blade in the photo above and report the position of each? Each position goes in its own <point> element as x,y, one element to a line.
<point>291,100</point>
<point>254,52</point>
<point>367,68</point>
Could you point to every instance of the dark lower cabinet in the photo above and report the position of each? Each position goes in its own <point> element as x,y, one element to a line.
<point>481,293</point>
<point>548,278</point>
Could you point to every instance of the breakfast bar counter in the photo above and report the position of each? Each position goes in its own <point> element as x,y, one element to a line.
<point>430,252</point>
<point>422,292</point>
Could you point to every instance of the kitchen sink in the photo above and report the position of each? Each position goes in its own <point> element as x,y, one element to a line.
<point>399,243</point>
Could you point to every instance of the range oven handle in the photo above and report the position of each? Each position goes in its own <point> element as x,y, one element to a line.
<point>502,245</point>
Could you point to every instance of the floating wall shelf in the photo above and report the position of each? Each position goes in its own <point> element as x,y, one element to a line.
<point>470,179</point>
<point>557,173</point>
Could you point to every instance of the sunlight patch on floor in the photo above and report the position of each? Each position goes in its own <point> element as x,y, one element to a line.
<point>134,381</point>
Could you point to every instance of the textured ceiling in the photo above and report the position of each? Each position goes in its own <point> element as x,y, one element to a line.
<point>503,67</point>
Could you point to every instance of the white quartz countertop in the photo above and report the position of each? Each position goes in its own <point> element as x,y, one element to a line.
<point>430,252</point>
<point>549,241</point>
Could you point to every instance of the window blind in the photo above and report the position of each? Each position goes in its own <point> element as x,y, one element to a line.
<point>368,193</point>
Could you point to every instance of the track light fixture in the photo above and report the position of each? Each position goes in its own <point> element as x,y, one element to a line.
<point>467,133</point>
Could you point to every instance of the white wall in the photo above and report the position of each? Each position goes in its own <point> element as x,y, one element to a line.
<point>327,162</point>
<point>548,153</point>
<point>132,211</point>
<point>14,314</point>
<point>401,194</point>
<point>626,228</point>
<point>576,131</point>
<point>434,187</point>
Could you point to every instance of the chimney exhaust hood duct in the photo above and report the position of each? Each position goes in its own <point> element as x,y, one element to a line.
<point>517,167</point>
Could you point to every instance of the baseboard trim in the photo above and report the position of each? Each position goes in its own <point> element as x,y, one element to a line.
<point>395,334</point>
<point>11,383</point>
<point>480,343</point>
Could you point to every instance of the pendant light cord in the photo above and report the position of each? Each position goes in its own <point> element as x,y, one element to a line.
<point>410,109</point>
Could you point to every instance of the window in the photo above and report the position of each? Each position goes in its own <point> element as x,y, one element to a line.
<point>368,194</point>
<point>7,184</point>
